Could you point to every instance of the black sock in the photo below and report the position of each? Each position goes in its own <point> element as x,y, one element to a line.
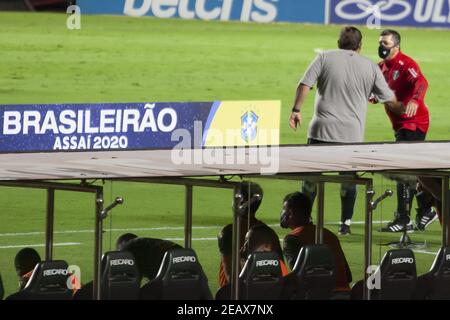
<point>348,199</point>
<point>424,201</point>
<point>404,201</point>
<point>310,189</point>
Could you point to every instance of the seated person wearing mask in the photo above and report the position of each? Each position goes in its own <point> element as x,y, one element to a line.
<point>259,238</point>
<point>296,215</point>
<point>262,238</point>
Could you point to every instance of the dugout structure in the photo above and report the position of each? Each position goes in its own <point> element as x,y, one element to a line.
<point>295,162</point>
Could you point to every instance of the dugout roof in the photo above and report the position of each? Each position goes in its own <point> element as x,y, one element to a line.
<point>285,159</point>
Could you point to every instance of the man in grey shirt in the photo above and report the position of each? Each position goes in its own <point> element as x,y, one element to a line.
<point>345,81</point>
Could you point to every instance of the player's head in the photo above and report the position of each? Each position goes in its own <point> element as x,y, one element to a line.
<point>225,239</point>
<point>261,238</point>
<point>24,262</point>
<point>148,254</point>
<point>296,210</point>
<point>389,44</point>
<point>124,239</point>
<point>248,198</point>
<point>350,39</point>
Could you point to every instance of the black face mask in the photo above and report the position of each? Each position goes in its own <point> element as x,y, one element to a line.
<point>284,219</point>
<point>384,52</point>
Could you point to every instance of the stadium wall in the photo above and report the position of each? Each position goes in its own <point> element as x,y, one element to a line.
<point>414,13</point>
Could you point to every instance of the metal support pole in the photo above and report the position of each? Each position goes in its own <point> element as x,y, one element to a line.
<point>98,244</point>
<point>235,264</point>
<point>50,224</point>
<point>368,238</point>
<point>188,218</point>
<point>445,212</point>
<point>320,212</point>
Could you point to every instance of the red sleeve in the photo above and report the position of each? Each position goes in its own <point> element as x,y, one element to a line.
<point>417,80</point>
<point>223,280</point>
<point>284,269</point>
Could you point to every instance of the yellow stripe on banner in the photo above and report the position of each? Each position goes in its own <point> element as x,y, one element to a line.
<point>245,123</point>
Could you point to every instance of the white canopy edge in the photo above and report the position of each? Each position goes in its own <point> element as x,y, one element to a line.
<point>219,161</point>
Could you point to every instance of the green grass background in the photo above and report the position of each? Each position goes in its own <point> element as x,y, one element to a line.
<point>120,59</point>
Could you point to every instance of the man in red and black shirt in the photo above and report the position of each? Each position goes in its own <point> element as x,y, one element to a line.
<point>405,78</point>
<point>296,215</point>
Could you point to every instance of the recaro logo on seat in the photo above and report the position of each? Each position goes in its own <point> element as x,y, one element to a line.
<point>402,260</point>
<point>248,10</point>
<point>263,263</point>
<point>447,257</point>
<point>55,272</point>
<point>121,262</point>
<point>184,259</point>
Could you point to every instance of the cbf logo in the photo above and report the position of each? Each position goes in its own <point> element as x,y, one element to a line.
<point>249,126</point>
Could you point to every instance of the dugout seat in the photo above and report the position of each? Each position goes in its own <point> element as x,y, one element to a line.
<point>180,277</point>
<point>435,284</point>
<point>47,282</point>
<point>397,275</point>
<point>120,278</point>
<point>260,279</point>
<point>313,276</point>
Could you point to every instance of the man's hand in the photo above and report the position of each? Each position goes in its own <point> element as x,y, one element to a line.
<point>395,106</point>
<point>411,108</point>
<point>372,99</point>
<point>295,120</point>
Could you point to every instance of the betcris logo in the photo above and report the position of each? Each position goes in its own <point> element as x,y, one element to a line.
<point>263,11</point>
<point>250,10</point>
<point>416,13</point>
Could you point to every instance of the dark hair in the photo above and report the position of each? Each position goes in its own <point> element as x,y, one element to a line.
<point>124,239</point>
<point>350,39</point>
<point>263,234</point>
<point>299,203</point>
<point>148,254</point>
<point>395,36</point>
<point>225,239</point>
<point>25,261</point>
<point>247,189</point>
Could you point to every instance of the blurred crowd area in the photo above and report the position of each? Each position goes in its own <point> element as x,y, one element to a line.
<point>35,5</point>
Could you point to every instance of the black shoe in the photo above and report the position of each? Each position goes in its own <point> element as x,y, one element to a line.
<point>425,219</point>
<point>397,226</point>
<point>344,230</point>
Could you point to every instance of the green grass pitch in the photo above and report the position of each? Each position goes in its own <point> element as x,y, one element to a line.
<point>119,59</point>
